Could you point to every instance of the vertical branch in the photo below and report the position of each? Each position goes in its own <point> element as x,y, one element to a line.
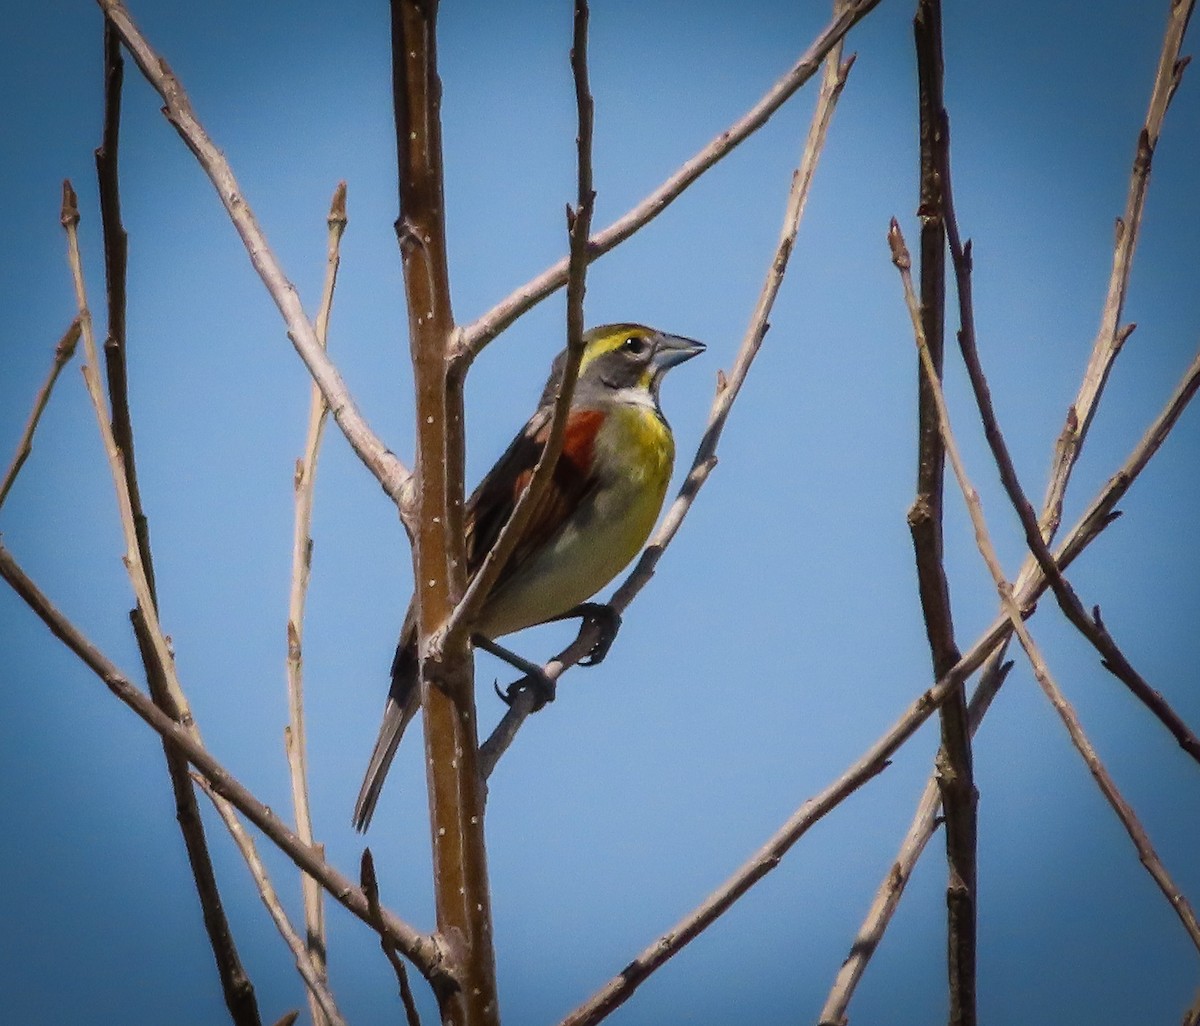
<point>1012,610</point>
<point>295,738</point>
<point>456,805</point>
<point>159,662</point>
<point>955,775</point>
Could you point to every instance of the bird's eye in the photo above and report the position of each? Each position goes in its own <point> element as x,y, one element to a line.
<point>635,344</point>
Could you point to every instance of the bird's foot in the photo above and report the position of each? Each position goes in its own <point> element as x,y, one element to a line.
<point>606,620</point>
<point>542,686</point>
<point>536,680</point>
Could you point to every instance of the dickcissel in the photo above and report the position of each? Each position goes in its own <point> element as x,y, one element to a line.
<point>603,500</point>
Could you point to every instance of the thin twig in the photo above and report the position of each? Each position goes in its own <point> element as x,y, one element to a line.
<point>295,737</point>
<point>891,889</point>
<point>388,470</point>
<point>1095,519</point>
<point>1090,626</point>
<point>705,459</point>
<point>579,221</point>
<point>475,336</point>
<point>1112,335</point>
<point>618,990</point>
<point>954,765</point>
<point>1031,582</point>
<point>310,971</point>
<point>1108,787</point>
<point>427,953</point>
<point>370,886</point>
<point>159,660</point>
<point>63,352</point>
<point>1099,514</point>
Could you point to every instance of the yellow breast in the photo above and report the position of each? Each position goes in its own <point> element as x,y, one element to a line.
<point>633,457</point>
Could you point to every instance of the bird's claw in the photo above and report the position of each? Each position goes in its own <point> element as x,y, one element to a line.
<point>607,621</point>
<point>541,685</point>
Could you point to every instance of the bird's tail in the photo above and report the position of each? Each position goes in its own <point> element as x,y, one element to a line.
<point>403,701</point>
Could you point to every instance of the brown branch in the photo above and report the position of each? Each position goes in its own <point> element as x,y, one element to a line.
<point>1112,335</point>
<point>63,352</point>
<point>427,953</point>
<point>1146,853</point>
<point>295,738</point>
<point>990,646</point>
<point>955,772</point>
<point>891,889</point>
<point>478,334</point>
<point>1031,581</point>
<point>1090,626</point>
<point>310,971</point>
<point>728,388</point>
<point>456,804</point>
<point>159,660</point>
<point>388,470</point>
<point>370,886</point>
<point>579,221</point>
<point>1093,522</point>
<point>618,990</point>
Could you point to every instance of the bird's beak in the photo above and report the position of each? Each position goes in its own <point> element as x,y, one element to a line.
<point>670,350</point>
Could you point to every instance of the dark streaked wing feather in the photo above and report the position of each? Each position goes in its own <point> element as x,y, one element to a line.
<point>492,502</point>
<point>488,511</point>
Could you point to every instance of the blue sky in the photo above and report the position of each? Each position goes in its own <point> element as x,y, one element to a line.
<point>781,634</point>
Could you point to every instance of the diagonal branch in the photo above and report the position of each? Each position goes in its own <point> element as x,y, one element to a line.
<point>295,737</point>
<point>1031,582</point>
<point>1013,611</point>
<point>579,221</point>
<point>1091,627</point>
<point>310,971</point>
<point>159,660</point>
<point>63,352</point>
<point>728,388</point>
<point>1111,336</point>
<point>370,886</point>
<point>427,953</point>
<point>990,646</point>
<point>477,335</point>
<point>388,470</point>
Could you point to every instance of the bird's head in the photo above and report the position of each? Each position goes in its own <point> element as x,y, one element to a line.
<point>623,359</point>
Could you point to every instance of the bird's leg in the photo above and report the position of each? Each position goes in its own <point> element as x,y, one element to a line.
<point>541,683</point>
<point>607,621</point>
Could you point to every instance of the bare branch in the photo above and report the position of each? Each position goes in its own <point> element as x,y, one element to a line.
<point>295,739</point>
<point>891,889</point>
<point>478,334</point>
<point>310,971</point>
<point>1111,336</point>
<point>1108,787</point>
<point>370,886</point>
<point>579,221</point>
<point>954,766</point>
<point>456,805</point>
<point>618,990</point>
<point>158,659</point>
<point>63,352</point>
<point>428,954</point>
<point>1090,626</point>
<point>728,388</point>
<point>388,470</point>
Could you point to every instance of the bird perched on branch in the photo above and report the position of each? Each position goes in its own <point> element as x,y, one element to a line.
<point>602,501</point>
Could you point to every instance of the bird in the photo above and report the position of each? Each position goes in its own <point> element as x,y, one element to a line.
<point>603,499</point>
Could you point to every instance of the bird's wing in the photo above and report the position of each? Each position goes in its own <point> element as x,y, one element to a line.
<point>492,502</point>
